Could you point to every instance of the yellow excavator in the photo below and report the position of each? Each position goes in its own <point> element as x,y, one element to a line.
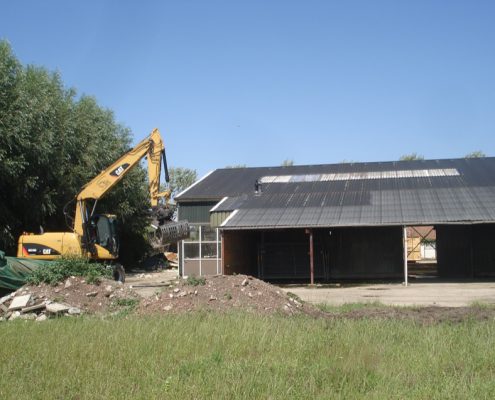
<point>95,235</point>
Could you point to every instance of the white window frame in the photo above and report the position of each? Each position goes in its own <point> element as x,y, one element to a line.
<point>199,243</point>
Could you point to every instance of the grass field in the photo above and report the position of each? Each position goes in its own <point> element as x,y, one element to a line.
<point>207,356</point>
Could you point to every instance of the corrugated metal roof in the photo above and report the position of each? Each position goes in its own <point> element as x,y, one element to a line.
<point>365,194</point>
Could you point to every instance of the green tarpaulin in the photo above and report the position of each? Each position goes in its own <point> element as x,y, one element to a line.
<point>15,271</point>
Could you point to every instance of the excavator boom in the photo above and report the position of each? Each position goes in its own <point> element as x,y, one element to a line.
<point>152,147</point>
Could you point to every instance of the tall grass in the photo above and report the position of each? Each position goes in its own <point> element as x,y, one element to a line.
<point>209,356</point>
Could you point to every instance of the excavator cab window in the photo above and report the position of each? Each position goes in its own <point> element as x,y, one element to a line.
<point>104,232</point>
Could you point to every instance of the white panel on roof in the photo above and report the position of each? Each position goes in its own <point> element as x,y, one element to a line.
<point>451,172</point>
<point>282,179</point>
<point>267,179</point>
<point>415,173</point>
<point>312,178</point>
<point>297,178</point>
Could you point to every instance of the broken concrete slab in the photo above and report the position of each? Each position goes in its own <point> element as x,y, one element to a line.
<point>19,302</point>
<point>57,308</point>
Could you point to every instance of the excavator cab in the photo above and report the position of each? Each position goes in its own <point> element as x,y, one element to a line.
<point>103,231</point>
<point>104,242</point>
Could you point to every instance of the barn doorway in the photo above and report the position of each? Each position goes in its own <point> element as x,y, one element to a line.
<point>422,252</point>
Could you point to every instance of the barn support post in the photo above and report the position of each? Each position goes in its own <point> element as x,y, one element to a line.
<point>471,252</point>
<point>311,257</point>
<point>404,234</point>
<point>222,251</point>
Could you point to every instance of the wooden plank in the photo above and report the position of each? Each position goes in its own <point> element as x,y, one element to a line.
<point>40,306</point>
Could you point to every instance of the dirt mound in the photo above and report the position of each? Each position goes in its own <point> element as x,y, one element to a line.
<point>224,293</point>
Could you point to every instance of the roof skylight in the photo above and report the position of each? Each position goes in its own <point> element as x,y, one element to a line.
<point>353,176</point>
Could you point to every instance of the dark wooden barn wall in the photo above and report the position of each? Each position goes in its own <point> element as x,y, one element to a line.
<point>344,253</point>
<point>466,251</point>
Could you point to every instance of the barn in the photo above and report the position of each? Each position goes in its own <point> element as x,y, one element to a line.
<point>321,223</point>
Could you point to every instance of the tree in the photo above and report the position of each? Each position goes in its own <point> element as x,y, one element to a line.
<point>287,163</point>
<point>411,157</point>
<point>475,154</point>
<point>51,144</point>
<point>180,179</point>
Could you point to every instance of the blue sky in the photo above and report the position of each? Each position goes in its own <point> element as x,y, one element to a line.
<point>256,82</point>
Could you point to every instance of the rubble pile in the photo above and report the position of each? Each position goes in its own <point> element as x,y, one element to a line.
<point>223,293</point>
<point>219,293</point>
<point>72,297</point>
<point>24,305</point>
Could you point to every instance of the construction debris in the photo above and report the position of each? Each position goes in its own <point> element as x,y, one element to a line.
<point>71,297</point>
<point>222,293</point>
<point>36,307</point>
<point>219,293</point>
<point>14,315</point>
<point>19,302</point>
<point>74,311</point>
<point>57,308</point>
<point>173,260</point>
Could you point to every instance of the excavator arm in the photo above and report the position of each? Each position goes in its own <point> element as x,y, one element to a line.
<point>153,148</point>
